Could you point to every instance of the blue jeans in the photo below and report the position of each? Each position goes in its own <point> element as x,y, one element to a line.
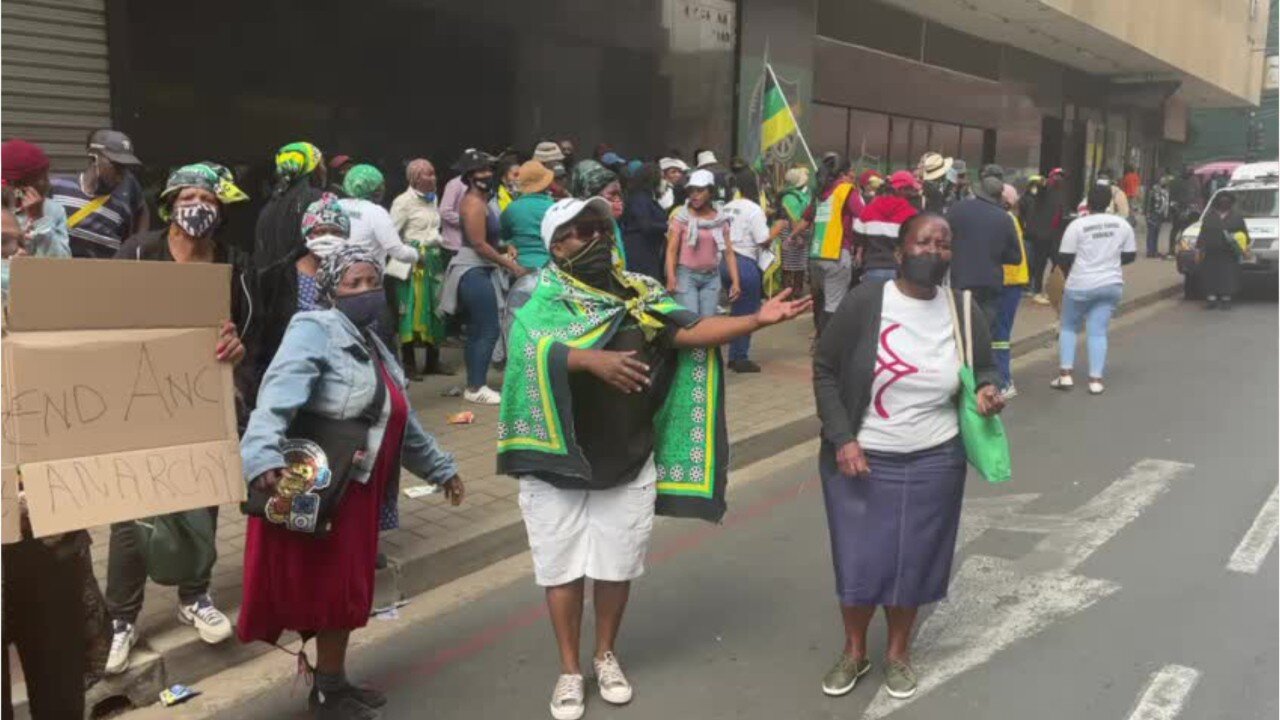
<point>748,303</point>
<point>875,274</point>
<point>1010,296</point>
<point>480,304</point>
<point>1093,307</point>
<point>1153,236</point>
<point>698,290</point>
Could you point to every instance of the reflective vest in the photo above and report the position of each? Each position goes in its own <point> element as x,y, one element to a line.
<point>1017,275</point>
<point>828,225</point>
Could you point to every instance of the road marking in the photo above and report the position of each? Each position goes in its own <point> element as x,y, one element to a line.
<point>994,603</point>
<point>1166,693</point>
<point>1257,542</point>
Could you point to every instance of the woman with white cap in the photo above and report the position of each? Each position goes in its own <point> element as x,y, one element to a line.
<point>695,245</point>
<point>640,429</point>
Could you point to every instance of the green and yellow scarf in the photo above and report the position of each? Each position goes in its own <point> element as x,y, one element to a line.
<point>535,428</point>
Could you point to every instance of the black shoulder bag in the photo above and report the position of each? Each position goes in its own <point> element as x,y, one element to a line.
<point>319,454</point>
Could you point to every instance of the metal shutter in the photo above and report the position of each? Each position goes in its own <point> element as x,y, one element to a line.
<point>56,88</point>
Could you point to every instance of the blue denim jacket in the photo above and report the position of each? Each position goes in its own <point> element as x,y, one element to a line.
<point>323,365</point>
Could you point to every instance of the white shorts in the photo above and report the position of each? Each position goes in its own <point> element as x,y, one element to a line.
<point>600,534</point>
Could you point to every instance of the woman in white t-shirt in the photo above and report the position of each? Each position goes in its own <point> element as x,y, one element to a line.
<point>750,236</point>
<point>885,375</point>
<point>1092,251</point>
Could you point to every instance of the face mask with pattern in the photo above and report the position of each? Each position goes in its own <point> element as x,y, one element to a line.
<point>198,219</point>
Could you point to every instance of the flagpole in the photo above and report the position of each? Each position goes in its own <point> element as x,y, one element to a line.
<point>813,163</point>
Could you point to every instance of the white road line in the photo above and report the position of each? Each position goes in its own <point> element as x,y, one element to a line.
<point>1256,544</point>
<point>1166,693</point>
<point>995,603</point>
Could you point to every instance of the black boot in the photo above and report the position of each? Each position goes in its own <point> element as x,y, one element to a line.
<point>434,365</point>
<point>410,362</point>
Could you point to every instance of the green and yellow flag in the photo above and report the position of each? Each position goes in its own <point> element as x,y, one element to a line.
<point>777,122</point>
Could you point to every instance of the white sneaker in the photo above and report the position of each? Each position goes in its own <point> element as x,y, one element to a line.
<point>1041,299</point>
<point>569,699</point>
<point>213,626</point>
<point>1010,392</point>
<point>1062,382</point>
<point>1095,387</point>
<point>484,396</point>
<point>614,687</point>
<point>123,636</point>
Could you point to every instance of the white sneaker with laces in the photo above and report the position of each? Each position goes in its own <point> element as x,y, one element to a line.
<point>569,699</point>
<point>1062,382</point>
<point>614,687</point>
<point>209,622</point>
<point>123,636</point>
<point>484,396</point>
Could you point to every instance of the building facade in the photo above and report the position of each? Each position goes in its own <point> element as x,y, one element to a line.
<point>1030,84</point>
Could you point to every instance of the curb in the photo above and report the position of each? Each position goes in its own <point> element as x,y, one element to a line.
<point>177,655</point>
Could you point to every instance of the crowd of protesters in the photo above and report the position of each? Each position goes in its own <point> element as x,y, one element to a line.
<point>666,259</point>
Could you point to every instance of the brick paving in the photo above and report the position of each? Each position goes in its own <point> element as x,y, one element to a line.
<point>755,403</point>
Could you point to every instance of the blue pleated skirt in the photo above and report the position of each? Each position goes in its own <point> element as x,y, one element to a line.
<point>893,532</point>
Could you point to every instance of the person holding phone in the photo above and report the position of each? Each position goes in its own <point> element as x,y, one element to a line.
<point>24,169</point>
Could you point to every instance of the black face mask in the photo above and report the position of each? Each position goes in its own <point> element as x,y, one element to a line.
<point>924,270</point>
<point>364,310</point>
<point>593,265</point>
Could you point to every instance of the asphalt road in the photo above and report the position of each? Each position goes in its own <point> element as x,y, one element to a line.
<point>1094,585</point>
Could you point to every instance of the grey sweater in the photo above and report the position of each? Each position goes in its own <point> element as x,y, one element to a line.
<point>845,360</point>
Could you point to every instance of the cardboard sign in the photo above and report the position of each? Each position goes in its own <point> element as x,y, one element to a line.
<point>10,522</point>
<point>114,406</point>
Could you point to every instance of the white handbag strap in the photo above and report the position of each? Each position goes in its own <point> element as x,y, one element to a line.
<point>968,328</point>
<point>955,324</point>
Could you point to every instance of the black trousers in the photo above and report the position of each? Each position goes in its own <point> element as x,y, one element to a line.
<point>44,617</point>
<point>127,572</point>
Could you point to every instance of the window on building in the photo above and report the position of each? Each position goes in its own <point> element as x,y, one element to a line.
<point>971,148</point>
<point>900,143</point>
<point>869,140</point>
<point>829,127</point>
<point>945,139</point>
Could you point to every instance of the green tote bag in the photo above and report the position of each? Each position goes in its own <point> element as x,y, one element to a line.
<point>985,443</point>
<point>180,547</point>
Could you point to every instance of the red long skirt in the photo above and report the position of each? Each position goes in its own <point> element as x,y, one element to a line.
<point>295,582</point>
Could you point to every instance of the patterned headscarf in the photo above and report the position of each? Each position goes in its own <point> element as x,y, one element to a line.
<point>363,181</point>
<point>296,160</point>
<point>228,192</point>
<point>333,267</point>
<point>589,178</point>
<point>325,211</point>
<point>198,175</point>
<point>416,169</point>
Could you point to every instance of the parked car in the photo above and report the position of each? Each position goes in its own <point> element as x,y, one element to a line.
<point>1257,194</point>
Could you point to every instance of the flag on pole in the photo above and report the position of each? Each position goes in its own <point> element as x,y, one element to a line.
<point>776,121</point>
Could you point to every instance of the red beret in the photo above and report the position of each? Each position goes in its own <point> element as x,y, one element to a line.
<point>20,160</point>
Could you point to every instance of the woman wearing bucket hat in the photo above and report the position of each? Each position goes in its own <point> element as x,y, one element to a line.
<point>476,281</point>
<point>933,170</point>
<point>191,203</point>
<point>521,222</point>
<point>696,243</point>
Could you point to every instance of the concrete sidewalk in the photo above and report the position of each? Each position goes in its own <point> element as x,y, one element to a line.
<point>437,543</point>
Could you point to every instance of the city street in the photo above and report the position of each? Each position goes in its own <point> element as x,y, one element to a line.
<point>1127,571</point>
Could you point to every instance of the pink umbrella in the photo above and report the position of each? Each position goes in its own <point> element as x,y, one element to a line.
<point>1217,166</point>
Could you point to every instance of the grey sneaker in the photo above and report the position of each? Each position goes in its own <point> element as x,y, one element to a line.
<point>842,676</point>
<point>900,680</point>
<point>568,700</point>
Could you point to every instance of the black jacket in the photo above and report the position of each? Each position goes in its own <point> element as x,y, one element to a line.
<point>644,235</point>
<point>983,240</point>
<point>844,363</point>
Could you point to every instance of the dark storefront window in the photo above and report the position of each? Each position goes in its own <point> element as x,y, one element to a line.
<point>869,139</point>
<point>919,141</point>
<point>828,126</point>
<point>971,147</point>
<point>384,80</point>
<point>900,143</point>
<point>946,139</point>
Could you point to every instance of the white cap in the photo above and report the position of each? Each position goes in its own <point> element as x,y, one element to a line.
<point>701,179</point>
<point>567,210</point>
<point>667,163</point>
<point>706,157</point>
